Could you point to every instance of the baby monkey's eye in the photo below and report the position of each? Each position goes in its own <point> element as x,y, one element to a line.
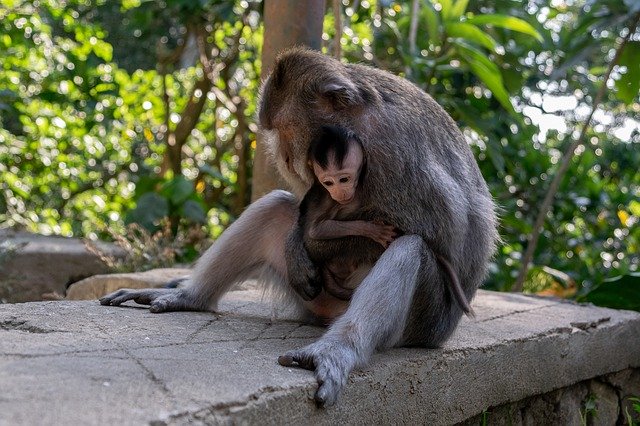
<point>327,183</point>
<point>344,180</point>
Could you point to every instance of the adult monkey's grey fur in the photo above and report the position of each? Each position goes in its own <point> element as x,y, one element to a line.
<point>422,178</point>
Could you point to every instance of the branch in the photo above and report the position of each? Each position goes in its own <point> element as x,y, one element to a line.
<point>337,17</point>
<point>191,112</point>
<point>564,166</point>
<point>166,134</point>
<point>193,109</point>
<point>413,32</point>
<point>171,57</point>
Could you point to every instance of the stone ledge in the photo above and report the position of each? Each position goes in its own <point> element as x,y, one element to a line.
<point>82,363</point>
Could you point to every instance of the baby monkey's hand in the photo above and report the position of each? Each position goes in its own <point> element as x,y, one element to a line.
<point>382,233</point>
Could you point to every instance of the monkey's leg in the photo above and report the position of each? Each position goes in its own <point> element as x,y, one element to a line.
<point>254,241</point>
<point>375,319</point>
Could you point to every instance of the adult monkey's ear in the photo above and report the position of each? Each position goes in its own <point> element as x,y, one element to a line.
<point>340,93</point>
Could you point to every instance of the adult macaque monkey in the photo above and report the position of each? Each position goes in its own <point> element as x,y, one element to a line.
<point>421,177</point>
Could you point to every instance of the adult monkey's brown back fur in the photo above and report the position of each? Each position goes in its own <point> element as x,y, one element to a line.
<point>421,174</point>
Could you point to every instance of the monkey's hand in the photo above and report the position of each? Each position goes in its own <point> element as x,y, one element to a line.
<point>381,233</point>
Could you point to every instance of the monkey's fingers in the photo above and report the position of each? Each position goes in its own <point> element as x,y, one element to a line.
<point>117,298</point>
<point>329,385</point>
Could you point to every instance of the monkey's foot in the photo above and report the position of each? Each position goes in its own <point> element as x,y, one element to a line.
<point>331,360</point>
<point>305,280</point>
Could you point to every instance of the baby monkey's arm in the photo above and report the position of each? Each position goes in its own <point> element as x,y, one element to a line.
<point>330,229</point>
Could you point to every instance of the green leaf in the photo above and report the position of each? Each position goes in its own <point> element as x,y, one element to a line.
<point>215,173</point>
<point>177,190</point>
<point>494,150</point>
<point>150,209</point>
<point>433,24</point>
<point>147,184</point>
<point>508,22</point>
<point>620,292</point>
<point>103,50</point>
<point>459,8</point>
<point>470,33</point>
<point>193,211</point>
<point>447,9</point>
<point>487,72</point>
<point>628,86</point>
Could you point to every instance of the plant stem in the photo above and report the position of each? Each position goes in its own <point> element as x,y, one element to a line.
<point>564,165</point>
<point>337,17</point>
<point>413,33</point>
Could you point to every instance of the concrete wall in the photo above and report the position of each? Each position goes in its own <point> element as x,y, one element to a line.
<point>605,400</point>
<point>522,360</point>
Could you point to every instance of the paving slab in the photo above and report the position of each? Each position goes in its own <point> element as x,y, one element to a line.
<point>76,362</point>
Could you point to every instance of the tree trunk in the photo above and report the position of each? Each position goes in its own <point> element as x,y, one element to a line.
<point>287,23</point>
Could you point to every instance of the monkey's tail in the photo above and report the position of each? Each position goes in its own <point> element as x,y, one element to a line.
<point>456,288</point>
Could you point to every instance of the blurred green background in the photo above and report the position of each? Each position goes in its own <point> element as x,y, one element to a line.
<point>143,112</point>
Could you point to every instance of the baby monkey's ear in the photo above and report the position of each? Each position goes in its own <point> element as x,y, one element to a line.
<point>340,93</point>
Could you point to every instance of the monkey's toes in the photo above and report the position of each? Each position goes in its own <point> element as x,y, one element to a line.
<point>116,299</point>
<point>307,289</point>
<point>327,394</point>
<point>158,306</point>
<point>311,292</point>
<point>285,360</point>
<point>110,298</point>
<point>297,359</point>
<point>331,377</point>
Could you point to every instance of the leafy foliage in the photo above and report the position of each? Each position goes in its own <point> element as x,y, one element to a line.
<point>144,250</point>
<point>619,292</point>
<point>114,113</point>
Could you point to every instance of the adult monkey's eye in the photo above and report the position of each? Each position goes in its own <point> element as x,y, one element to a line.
<point>344,180</point>
<point>328,183</point>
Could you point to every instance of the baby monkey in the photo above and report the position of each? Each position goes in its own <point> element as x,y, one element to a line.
<point>333,209</point>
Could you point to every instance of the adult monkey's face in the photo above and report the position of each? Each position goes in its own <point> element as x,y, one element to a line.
<point>305,91</point>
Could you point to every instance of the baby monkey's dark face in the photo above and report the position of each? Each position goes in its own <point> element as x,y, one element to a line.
<point>341,180</point>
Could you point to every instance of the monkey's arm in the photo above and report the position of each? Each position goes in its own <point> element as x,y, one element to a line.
<point>330,229</point>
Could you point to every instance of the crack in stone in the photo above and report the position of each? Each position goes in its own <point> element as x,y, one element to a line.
<point>192,336</point>
<point>588,325</point>
<point>208,414</point>
<point>22,325</point>
<point>510,313</point>
<point>255,338</point>
<point>293,330</point>
<point>148,372</point>
<point>164,345</point>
